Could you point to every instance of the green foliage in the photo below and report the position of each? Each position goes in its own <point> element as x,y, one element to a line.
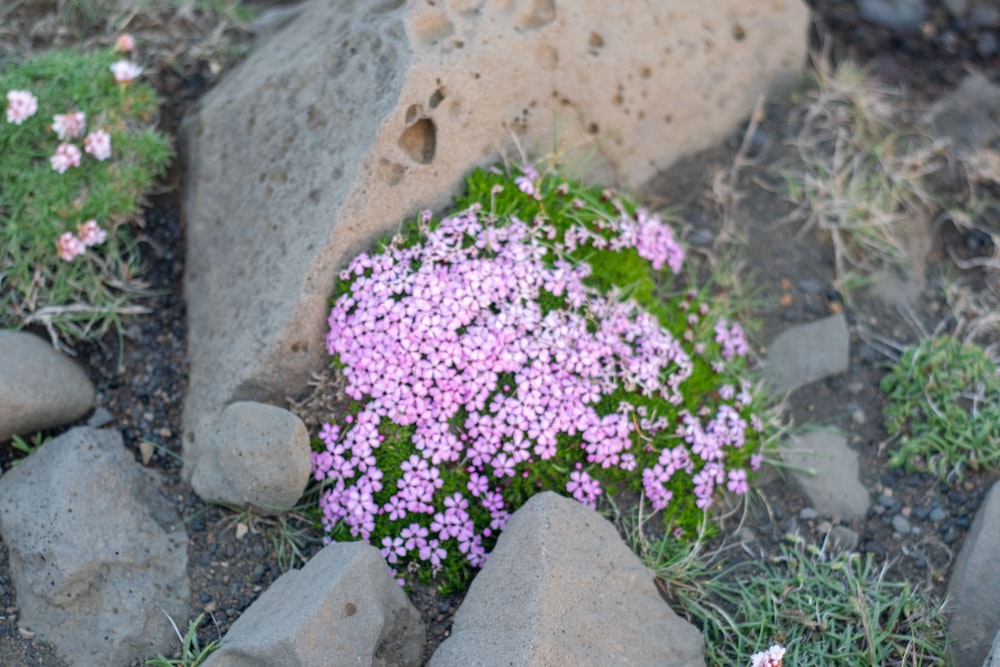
<point>192,653</point>
<point>943,401</point>
<point>824,608</point>
<point>81,298</point>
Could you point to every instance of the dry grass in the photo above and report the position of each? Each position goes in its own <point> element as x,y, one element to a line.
<point>864,170</point>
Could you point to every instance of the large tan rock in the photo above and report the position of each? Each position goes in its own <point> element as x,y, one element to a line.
<point>359,114</point>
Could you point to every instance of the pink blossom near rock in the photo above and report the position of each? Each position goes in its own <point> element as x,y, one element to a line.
<point>98,144</point>
<point>125,71</point>
<point>772,657</point>
<point>69,246</point>
<point>66,156</point>
<point>69,125</point>
<point>125,42</point>
<point>91,234</point>
<point>21,105</point>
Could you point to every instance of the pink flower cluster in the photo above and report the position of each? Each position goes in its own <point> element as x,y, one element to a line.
<point>430,332</point>
<point>21,105</point>
<point>772,657</point>
<point>70,245</point>
<point>72,125</point>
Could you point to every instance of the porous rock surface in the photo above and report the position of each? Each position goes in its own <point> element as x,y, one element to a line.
<point>97,555</point>
<point>359,114</point>
<point>561,588</point>
<point>40,387</point>
<point>259,457</point>
<point>342,608</point>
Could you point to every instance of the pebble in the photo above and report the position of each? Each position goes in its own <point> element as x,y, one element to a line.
<point>700,237</point>
<point>986,45</point>
<point>807,513</point>
<point>858,417</point>
<point>886,499</point>
<point>900,524</point>
<point>810,285</point>
<point>937,514</point>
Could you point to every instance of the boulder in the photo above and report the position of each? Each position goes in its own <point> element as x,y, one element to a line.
<point>40,387</point>
<point>357,115</point>
<point>259,456</point>
<point>342,608</point>
<point>561,588</point>
<point>974,588</point>
<point>98,556</point>
<point>825,468</point>
<point>806,353</point>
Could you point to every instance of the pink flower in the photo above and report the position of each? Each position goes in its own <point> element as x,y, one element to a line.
<point>772,657</point>
<point>125,42</point>
<point>21,105</point>
<point>98,144</point>
<point>69,125</point>
<point>738,481</point>
<point>67,155</point>
<point>125,71</point>
<point>91,234</point>
<point>70,246</point>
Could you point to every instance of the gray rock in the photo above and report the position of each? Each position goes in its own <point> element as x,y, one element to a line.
<point>97,553</point>
<point>825,468</point>
<point>561,588</point>
<point>900,524</point>
<point>967,116</point>
<point>974,587</point>
<point>40,387</point>
<point>903,15</point>
<point>808,352</point>
<point>808,513</point>
<point>259,456</point>
<point>993,659</point>
<point>985,14</point>
<point>356,116</point>
<point>937,514</point>
<point>342,608</point>
<point>842,539</point>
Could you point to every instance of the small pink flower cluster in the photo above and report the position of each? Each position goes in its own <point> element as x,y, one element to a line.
<point>426,335</point>
<point>772,657</point>
<point>88,234</point>
<point>70,126</point>
<point>21,105</point>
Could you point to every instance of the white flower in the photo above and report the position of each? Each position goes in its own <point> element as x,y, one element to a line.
<point>125,71</point>
<point>21,105</point>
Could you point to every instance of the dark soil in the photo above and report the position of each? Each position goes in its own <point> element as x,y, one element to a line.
<point>141,375</point>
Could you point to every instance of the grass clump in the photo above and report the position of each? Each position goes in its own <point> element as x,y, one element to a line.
<point>943,403</point>
<point>863,179</point>
<point>78,150</point>
<point>524,343</point>
<point>191,653</point>
<point>824,608</point>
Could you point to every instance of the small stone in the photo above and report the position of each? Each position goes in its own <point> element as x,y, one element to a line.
<point>986,44</point>
<point>700,237</point>
<point>241,530</point>
<point>905,510</point>
<point>843,538</point>
<point>810,285</point>
<point>25,634</point>
<point>900,524</point>
<point>885,499</point>
<point>146,452</point>
<point>858,417</point>
<point>807,513</point>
